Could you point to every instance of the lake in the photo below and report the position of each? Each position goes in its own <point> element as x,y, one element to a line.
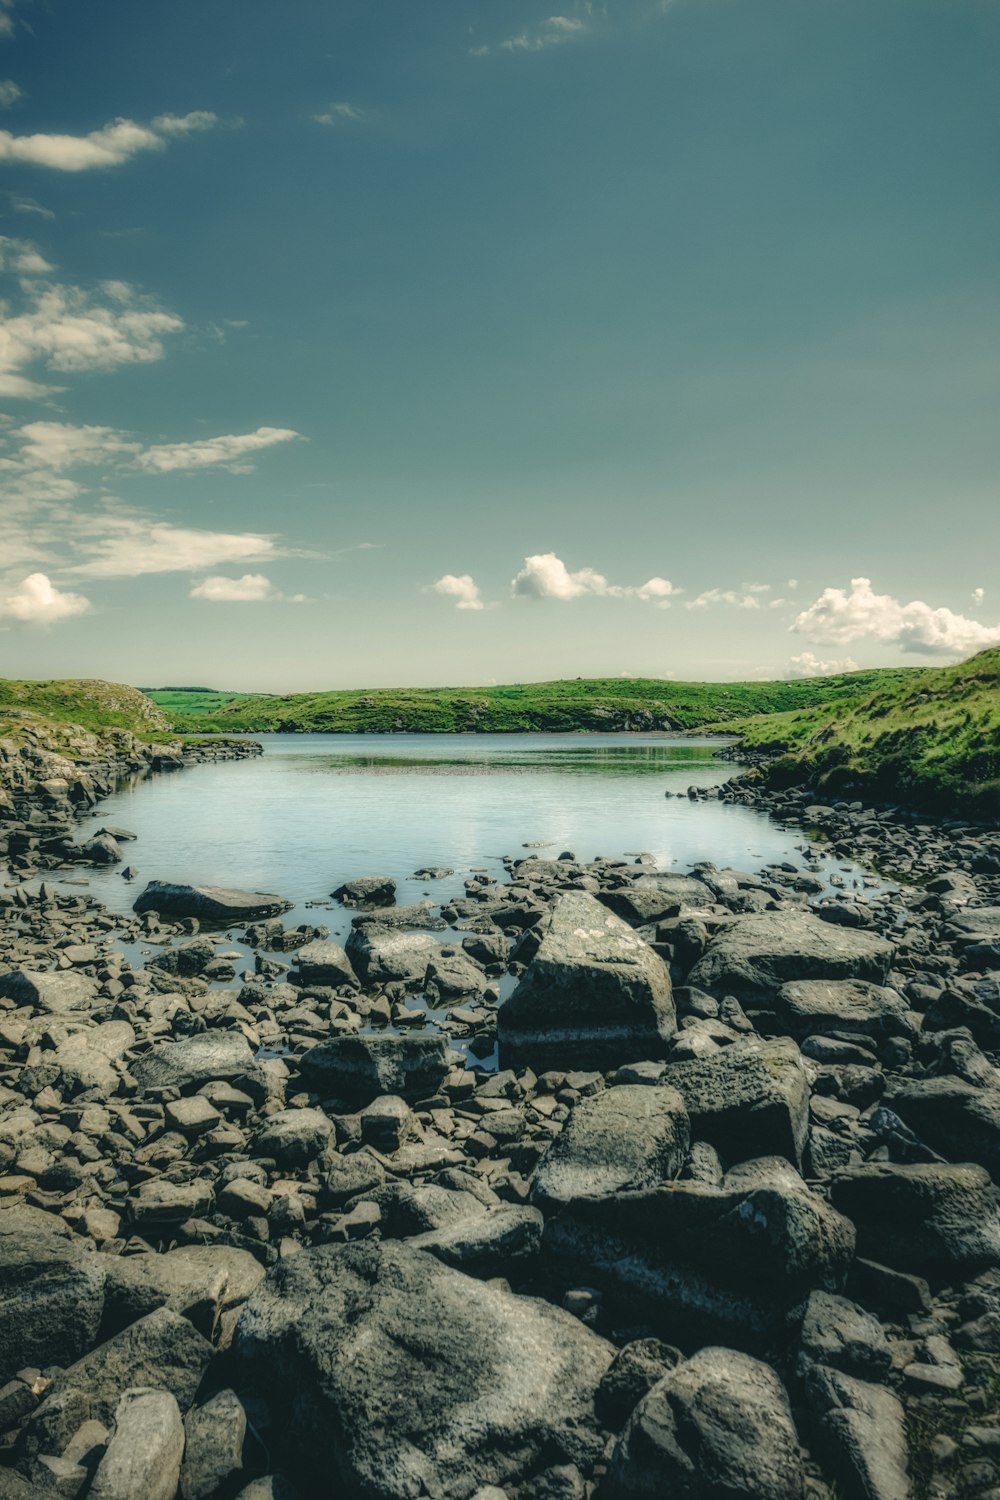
<point>315,810</point>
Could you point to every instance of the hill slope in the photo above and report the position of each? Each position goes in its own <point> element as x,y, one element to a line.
<point>932,740</point>
<point>580,704</point>
<point>89,703</point>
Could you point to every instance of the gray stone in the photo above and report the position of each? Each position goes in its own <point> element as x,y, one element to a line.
<point>159,1202</point>
<point>752,1099</point>
<point>934,1220</point>
<point>324,963</point>
<point>213,1450</point>
<point>210,903</point>
<point>380,954</point>
<point>594,995</point>
<point>862,1434</point>
<point>51,1296</point>
<point>294,1137</point>
<point>719,1425</point>
<point>210,1056</point>
<point>367,890</point>
<point>957,1119</point>
<point>809,1007</point>
<point>399,1375</point>
<point>637,1367</point>
<point>630,1136</point>
<point>839,1333</point>
<point>144,1455</point>
<point>49,993</point>
<point>359,1068</point>
<point>753,956</point>
<point>486,1244</point>
<point>197,1281</point>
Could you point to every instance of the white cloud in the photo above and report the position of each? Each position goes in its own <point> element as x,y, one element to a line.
<point>37,601</point>
<point>10,92</point>
<point>793,583</point>
<point>252,588</point>
<point>726,596</point>
<point>113,144</point>
<point>23,205</point>
<point>839,617</point>
<point>341,111</point>
<point>757,588</point>
<point>60,445</point>
<point>809,665</point>
<point>232,451</point>
<point>553,32</point>
<point>21,258</point>
<point>546,576</point>
<point>127,546</point>
<point>978,595</point>
<point>462,588</point>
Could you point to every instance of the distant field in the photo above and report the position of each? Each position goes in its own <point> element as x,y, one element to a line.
<point>578,704</point>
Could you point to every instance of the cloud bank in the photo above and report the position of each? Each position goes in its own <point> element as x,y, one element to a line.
<point>37,601</point>
<point>110,146</point>
<point>546,576</point>
<point>840,616</point>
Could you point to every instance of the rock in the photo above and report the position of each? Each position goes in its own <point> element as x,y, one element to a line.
<point>186,960</point>
<point>957,1119</point>
<point>398,1375</point>
<point>452,974</point>
<point>808,1007</point>
<point>751,1099</point>
<point>381,954</point>
<point>190,1064</point>
<point>934,1220</point>
<point>367,890</point>
<point>594,995</point>
<point>163,1351</point>
<point>487,1244</point>
<point>213,1450</point>
<point>718,1425</point>
<point>359,1068</point>
<point>197,1281</point>
<point>51,1296</point>
<point>294,1137</point>
<point>636,1369</point>
<point>158,1202</point>
<point>862,1433</point>
<point>209,903</point>
<point>144,1455</point>
<point>324,963</point>
<point>837,1332</point>
<point>631,1136</point>
<point>49,993</point>
<point>735,1262</point>
<point>753,956</point>
<point>386,1123</point>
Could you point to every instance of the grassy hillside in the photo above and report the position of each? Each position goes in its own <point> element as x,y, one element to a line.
<point>87,704</point>
<point>932,739</point>
<point>581,704</point>
<point>189,700</point>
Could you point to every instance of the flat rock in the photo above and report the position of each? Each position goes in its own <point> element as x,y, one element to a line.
<point>594,995</point>
<point>360,1068</point>
<point>933,1220</point>
<point>210,903</point>
<point>811,1007</point>
<point>751,1099</point>
<point>718,1425</point>
<point>294,1137</point>
<point>380,954</point>
<point>753,956</point>
<point>144,1454</point>
<point>49,993</point>
<point>208,1057</point>
<point>402,1376</point>
<point>486,1244</point>
<point>627,1137</point>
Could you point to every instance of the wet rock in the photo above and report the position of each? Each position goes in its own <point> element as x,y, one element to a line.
<point>367,890</point>
<point>210,903</point>
<point>190,1064</point>
<point>144,1454</point>
<point>213,1448</point>
<point>752,1099</point>
<point>359,1068</point>
<point>400,1373</point>
<point>594,995</point>
<point>935,1220</point>
<point>756,954</point>
<point>626,1137</point>
<point>717,1425</point>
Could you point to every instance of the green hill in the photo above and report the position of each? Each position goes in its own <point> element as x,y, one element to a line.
<point>931,739</point>
<point>581,704</point>
<point>87,703</point>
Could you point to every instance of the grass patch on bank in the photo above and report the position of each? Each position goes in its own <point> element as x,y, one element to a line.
<point>580,704</point>
<point>85,703</point>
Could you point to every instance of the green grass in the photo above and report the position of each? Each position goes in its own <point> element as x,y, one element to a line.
<point>88,703</point>
<point>189,700</point>
<point>930,739</point>
<point>579,704</point>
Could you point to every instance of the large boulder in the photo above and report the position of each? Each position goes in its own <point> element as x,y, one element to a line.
<point>935,1220</point>
<point>325,963</point>
<point>209,1057</point>
<point>401,1377</point>
<point>751,1099</point>
<point>594,995</point>
<point>719,1426</point>
<point>49,993</point>
<point>383,954</point>
<point>861,1432</point>
<point>216,904</point>
<point>957,1119</point>
<point>51,1295</point>
<point>294,1137</point>
<point>753,956</point>
<point>358,1069</point>
<point>734,1263</point>
<point>817,1007</point>
<point>144,1454</point>
<point>197,1281</point>
<point>621,1138</point>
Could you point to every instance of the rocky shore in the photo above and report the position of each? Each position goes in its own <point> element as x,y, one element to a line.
<point>687,1189</point>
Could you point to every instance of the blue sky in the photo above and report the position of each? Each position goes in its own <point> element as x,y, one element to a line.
<point>456,341</point>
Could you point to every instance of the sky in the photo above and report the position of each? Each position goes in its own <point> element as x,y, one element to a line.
<point>416,342</point>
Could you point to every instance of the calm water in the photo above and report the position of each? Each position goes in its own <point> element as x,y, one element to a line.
<point>315,810</point>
